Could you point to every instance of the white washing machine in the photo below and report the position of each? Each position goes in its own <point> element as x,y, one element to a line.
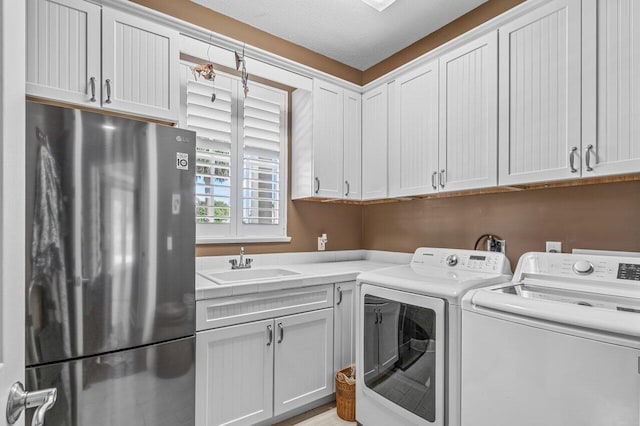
<point>560,346</point>
<point>408,335</point>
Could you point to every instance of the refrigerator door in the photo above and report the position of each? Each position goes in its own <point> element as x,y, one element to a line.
<point>110,233</point>
<point>153,385</point>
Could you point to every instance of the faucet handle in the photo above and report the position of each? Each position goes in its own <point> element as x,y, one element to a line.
<point>248,262</point>
<point>233,262</point>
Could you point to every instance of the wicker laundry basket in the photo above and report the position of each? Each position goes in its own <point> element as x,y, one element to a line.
<point>346,393</point>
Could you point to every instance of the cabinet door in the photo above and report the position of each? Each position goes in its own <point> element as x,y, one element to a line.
<point>469,116</point>
<point>611,93</point>
<point>63,51</point>
<point>413,142</point>
<point>140,67</point>
<point>328,140</point>
<point>352,145</point>
<point>540,74</point>
<point>304,359</point>
<point>374,143</point>
<point>234,381</point>
<point>344,330</point>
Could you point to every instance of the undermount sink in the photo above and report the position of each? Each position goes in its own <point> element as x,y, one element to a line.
<point>243,275</point>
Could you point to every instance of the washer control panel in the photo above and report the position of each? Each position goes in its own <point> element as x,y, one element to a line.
<point>578,266</point>
<point>470,260</point>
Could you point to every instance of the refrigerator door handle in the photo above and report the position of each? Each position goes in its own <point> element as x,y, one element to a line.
<point>19,400</point>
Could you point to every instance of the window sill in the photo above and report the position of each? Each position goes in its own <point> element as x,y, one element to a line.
<point>239,240</point>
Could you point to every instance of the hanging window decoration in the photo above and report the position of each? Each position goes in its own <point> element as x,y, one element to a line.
<point>207,72</point>
<point>241,64</point>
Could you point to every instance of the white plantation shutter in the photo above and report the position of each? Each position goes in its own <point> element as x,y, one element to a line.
<point>263,140</point>
<point>240,157</point>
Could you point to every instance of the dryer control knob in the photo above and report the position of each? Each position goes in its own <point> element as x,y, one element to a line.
<point>583,267</point>
<point>452,260</point>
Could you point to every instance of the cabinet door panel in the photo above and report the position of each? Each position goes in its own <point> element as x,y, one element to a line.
<point>413,145</point>
<point>611,106</point>
<point>304,359</point>
<point>540,94</point>
<point>344,327</point>
<point>234,384</point>
<point>352,145</point>
<point>374,144</point>
<point>328,139</point>
<point>141,61</point>
<point>63,50</point>
<point>469,115</point>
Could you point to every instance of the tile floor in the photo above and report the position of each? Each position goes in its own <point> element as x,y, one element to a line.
<point>324,415</point>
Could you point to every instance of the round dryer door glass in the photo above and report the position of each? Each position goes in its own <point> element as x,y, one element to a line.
<point>400,354</point>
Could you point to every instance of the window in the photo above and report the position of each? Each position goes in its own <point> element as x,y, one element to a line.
<point>240,188</point>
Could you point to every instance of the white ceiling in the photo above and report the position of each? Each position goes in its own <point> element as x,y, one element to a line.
<point>348,31</point>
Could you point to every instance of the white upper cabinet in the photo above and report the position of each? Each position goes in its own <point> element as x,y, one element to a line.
<point>63,50</point>
<point>328,139</point>
<point>352,145</point>
<point>326,145</point>
<point>540,95</point>
<point>469,116</point>
<point>80,53</point>
<point>140,65</point>
<point>413,131</point>
<point>611,89</point>
<point>374,143</point>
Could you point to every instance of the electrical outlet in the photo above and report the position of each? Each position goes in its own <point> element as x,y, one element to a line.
<point>499,246</point>
<point>322,242</point>
<point>554,247</point>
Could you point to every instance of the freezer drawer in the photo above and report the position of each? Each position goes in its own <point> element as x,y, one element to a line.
<point>152,385</point>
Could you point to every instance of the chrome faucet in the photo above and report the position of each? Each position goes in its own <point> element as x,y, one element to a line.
<point>243,263</point>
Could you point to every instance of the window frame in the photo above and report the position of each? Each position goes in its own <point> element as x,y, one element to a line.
<point>236,231</point>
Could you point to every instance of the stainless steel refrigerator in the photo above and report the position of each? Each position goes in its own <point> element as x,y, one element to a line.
<point>110,268</point>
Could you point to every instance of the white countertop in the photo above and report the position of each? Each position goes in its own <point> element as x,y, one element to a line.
<point>315,269</point>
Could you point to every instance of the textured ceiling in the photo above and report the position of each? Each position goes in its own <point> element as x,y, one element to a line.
<point>348,31</point>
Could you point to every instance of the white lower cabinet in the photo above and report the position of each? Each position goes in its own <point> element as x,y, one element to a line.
<point>344,326</point>
<point>234,383</point>
<point>249,373</point>
<point>303,359</point>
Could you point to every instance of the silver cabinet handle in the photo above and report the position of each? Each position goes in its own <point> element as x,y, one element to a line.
<point>587,157</point>
<point>269,335</point>
<point>108,83</point>
<point>376,312</point>
<point>281,328</point>
<point>380,313</point>
<point>348,188</point>
<point>92,83</point>
<point>317,185</point>
<point>434,177</point>
<point>443,176</point>
<point>572,155</point>
<point>20,400</point>
<point>339,296</point>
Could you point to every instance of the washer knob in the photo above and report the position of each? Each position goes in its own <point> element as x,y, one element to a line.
<point>583,267</point>
<point>452,260</point>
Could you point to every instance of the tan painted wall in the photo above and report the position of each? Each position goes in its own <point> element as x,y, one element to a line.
<point>599,216</point>
<point>603,216</point>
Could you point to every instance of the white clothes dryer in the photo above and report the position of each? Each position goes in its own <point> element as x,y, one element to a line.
<point>408,335</point>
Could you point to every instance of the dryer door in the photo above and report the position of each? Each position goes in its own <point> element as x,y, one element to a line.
<point>403,343</point>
